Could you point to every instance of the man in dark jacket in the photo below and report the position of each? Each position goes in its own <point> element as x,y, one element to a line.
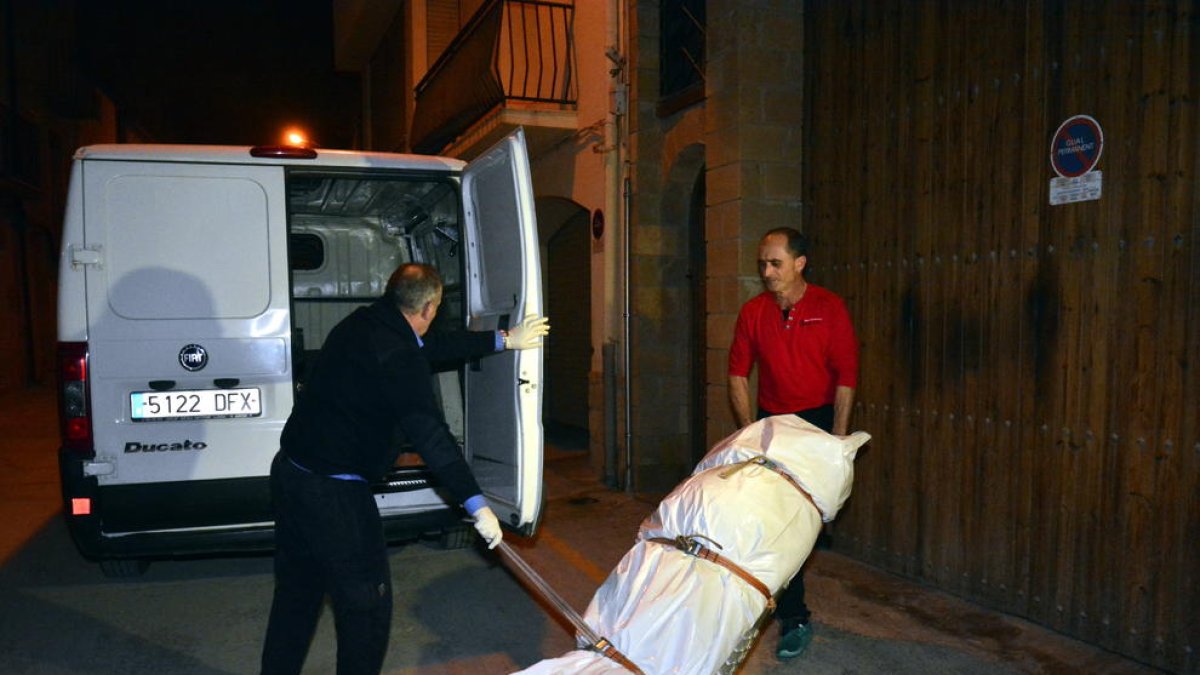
<point>372,376</point>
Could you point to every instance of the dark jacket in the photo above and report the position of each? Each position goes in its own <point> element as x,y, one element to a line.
<point>370,381</point>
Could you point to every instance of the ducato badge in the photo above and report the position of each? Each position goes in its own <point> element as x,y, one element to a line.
<point>193,357</point>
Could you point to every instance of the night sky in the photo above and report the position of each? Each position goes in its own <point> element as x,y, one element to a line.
<point>221,71</point>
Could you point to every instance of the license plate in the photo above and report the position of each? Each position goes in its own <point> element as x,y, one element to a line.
<point>194,403</point>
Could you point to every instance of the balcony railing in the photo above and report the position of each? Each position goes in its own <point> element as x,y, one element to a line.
<point>511,51</point>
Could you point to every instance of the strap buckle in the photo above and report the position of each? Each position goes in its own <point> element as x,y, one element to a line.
<point>760,460</point>
<point>691,545</point>
<point>609,650</point>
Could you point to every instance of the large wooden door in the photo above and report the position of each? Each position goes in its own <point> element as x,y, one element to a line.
<point>1028,370</point>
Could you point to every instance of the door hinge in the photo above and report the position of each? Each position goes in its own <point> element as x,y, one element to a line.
<point>86,255</point>
<point>98,468</point>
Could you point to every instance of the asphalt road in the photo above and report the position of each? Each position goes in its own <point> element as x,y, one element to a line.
<point>457,611</point>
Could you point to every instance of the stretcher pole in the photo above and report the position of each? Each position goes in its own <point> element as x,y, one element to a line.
<point>530,576</point>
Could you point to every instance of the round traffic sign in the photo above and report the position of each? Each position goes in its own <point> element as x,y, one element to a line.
<point>1076,146</point>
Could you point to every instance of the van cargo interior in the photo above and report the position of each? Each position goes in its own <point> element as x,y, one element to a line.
<point>347,233</point>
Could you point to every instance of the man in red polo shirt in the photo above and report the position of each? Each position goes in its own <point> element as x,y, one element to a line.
<point>800,337</point>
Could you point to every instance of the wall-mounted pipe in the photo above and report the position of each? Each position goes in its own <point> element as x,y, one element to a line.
<point>628,341</point>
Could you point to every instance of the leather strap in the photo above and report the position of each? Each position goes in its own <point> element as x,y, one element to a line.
<point>762,461</point>
<point>690,545</point>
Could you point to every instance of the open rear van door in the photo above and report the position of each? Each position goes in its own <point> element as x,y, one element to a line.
<point>503,285</point>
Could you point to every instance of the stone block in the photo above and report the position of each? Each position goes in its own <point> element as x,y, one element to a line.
<point>724,110</point>
<point>723,146</point>
<point>724,295</point>
<point>647,271</point>
<point>723,257</point>
<point>647,303</point>
<point>684,141</point>
<point>782,181</point>
<point>786,106</point>
<point>656,475</point>
<point>674,317</point>
<point>657,351</point>
<point>720,415</point>
<point>758,216</point>
<point>771,142</point>
<point>784,32</point>
<point>725,183</point>
<point>654,240</point>
<point>750,286</point>
<point>766,71</point>
<point>718,325</point>
<point>716,364</point>
<point>647,52</point>
<point>722,221</point>
<point>752,181</point>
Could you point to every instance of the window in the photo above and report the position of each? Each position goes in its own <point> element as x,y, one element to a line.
<point>681,62</point>
<point>306,252</point>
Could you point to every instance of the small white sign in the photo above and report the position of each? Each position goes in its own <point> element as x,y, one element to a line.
<point>1083,188</point>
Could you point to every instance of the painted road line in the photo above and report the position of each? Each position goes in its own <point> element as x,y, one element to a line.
<point>576,559</point>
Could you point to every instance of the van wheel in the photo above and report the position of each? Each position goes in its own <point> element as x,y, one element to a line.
<point>459,536</point>
<point>124,568</point>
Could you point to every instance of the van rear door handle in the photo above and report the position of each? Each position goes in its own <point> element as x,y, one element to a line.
<point>162,385</point>
<point>226,382</point>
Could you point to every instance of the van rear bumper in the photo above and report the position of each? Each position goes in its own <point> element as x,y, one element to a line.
<point>184,518</point>
<point>96,544</point>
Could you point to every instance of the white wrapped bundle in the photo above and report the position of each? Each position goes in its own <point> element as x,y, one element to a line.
<point>669,611</point>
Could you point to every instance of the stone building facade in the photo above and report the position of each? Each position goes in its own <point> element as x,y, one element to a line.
<point>674,145</point>
<point>708,180</point>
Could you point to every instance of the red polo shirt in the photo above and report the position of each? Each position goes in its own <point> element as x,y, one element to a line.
<point>801,359</point>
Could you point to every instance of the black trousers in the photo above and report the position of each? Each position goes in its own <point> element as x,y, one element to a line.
<point>790,608</point>
<point>328,541</point>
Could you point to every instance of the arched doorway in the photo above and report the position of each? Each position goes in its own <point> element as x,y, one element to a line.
<point>687,307</point>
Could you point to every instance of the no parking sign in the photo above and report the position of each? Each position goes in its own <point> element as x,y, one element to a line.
<point>1074,151</point>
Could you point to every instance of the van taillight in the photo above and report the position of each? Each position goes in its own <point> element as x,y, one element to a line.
<point>75,419</point>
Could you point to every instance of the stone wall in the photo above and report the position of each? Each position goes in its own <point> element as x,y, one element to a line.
<point>746,137</point>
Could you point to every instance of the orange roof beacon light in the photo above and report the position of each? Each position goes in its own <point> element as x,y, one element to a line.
<point>296,145</point>
<point>295,137</point>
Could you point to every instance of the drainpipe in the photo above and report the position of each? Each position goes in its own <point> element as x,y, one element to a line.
<point>628,341</point>
<point>619,196</point>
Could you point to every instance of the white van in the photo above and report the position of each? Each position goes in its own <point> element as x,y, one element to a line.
<point>196,283</point>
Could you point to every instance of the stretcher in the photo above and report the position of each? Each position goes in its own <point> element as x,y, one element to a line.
<point>700,580</point>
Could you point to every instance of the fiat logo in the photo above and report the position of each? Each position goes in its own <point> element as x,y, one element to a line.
<point>193,357</point>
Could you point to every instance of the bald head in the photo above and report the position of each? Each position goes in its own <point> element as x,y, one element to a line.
<point>416,290</point>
